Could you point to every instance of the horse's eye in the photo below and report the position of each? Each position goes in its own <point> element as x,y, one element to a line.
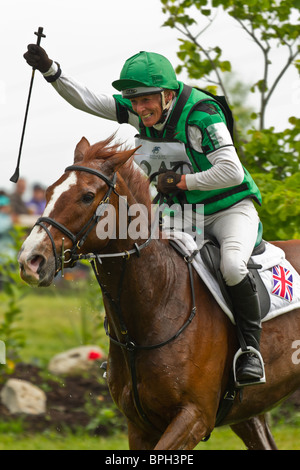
<point>88,198</point>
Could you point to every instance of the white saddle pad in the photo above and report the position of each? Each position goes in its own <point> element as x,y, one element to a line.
<point>280,278</point>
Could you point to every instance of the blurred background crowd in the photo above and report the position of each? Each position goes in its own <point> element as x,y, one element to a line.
<point>21,207</point>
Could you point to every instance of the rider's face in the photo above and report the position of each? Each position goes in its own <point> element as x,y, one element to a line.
<point>148,107</point>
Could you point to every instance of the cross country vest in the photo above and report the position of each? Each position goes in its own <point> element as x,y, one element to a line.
<point>171,148</point>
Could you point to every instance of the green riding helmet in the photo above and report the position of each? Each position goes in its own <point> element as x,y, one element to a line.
<point>146,73</point>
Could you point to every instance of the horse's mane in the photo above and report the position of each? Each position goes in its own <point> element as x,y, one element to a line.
<point>135,180</point>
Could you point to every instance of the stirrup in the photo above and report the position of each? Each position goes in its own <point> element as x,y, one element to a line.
<point>245,383</point>
<point>104,366</point>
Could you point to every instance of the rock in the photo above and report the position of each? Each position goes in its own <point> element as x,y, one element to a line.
<point>75,360</point>
<point>20,396</point>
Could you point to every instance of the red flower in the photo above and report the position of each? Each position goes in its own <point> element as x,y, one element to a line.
<point>93,355</point>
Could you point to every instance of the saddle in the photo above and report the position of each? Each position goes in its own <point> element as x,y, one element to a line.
<point>210,254</point>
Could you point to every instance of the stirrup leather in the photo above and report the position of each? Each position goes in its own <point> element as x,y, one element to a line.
<point>245,383</point>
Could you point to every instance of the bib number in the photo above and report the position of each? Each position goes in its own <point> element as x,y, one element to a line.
<point>161,156</point>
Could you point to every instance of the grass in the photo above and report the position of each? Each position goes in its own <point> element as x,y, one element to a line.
<point>53,321</point>
<point>286,437</point>
<point>55,441</point>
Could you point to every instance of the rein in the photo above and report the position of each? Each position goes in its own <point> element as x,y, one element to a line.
<point>78,240</point>
<point>131,346</point>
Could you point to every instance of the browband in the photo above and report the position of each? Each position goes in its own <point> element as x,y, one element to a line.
<point>110,183</point>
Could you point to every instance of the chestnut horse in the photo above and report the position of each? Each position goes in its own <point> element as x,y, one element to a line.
<point>171,352</point>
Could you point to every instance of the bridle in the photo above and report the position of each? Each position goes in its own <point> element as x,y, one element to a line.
<point>79,239</point>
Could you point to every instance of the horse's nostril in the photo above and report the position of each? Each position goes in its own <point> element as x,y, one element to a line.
<point>21,266</point>
<point>36,262</point>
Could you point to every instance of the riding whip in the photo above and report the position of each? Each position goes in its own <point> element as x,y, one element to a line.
<point>15,176</point>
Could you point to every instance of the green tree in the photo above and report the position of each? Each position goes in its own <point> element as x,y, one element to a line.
<point>269,23</point>
<point>272,157</point>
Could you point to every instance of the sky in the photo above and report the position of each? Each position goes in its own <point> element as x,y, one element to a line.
<point>91,40</point>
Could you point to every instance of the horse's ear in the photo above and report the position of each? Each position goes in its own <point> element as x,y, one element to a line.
<point>80,150</point>
<point>116,161</point>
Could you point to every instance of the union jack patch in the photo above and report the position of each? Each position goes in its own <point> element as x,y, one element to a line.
<point>282,283</point>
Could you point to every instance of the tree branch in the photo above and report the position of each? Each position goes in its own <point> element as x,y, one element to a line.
<point>207,55</point>
<point>292,56</point>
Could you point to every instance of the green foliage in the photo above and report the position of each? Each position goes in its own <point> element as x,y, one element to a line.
<point>280,211</point>
<point>199,63</point>
<point>270,18</point>
<point>11,294</point>
<point>274,153</point>
<point>105,416</point>
<point>273,158</point>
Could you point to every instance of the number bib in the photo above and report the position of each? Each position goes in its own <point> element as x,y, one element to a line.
<point>159,155</point>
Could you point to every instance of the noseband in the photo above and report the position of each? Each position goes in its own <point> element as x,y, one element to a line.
<point>78,239</point>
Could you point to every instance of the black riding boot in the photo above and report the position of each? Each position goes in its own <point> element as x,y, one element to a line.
<point>246,310</point>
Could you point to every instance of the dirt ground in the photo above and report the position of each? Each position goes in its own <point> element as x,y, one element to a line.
<point>67,400</point>
<point>72,402</point>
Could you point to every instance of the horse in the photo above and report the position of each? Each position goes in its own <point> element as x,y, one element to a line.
<point>171,346</point>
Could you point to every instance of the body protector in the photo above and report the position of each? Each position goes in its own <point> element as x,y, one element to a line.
<point>170,149</point>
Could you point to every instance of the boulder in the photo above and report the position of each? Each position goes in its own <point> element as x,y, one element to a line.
<point>20,396</point>
<point>75,360</point>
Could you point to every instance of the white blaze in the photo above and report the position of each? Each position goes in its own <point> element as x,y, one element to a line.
<point>37,235</point>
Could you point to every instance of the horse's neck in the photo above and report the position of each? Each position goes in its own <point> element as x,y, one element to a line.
<point>139,272</point>
<point>134,287</point>
<point>138,284</point>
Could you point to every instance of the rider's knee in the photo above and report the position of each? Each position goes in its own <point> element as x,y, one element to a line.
<point>233,270</point>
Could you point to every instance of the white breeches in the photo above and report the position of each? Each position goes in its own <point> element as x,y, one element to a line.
<point>236,231</point>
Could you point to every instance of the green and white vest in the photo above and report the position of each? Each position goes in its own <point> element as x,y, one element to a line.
<point>171,148</point>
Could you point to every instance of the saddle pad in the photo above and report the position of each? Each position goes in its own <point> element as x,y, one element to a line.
<point>279,277</point>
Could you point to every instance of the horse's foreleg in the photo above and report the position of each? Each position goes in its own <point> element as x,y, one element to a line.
<point>139,439</point>
<point>185,431</point>
<point>255,434</point>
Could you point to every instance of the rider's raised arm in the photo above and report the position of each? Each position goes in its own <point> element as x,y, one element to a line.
<point>78,95</point>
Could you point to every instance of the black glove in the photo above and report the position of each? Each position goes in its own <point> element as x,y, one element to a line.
<point>37,57</point>
<point>166,182</point>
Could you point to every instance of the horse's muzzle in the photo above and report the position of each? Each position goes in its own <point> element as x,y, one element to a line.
<point>35,270</point>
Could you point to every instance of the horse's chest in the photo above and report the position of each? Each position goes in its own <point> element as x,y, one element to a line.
<point>122,395</point>
<point>150,393</point>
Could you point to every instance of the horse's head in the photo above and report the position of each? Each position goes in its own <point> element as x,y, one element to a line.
<point>75,203</point>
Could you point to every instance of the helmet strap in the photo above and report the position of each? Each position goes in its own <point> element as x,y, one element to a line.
<point>165,107</point>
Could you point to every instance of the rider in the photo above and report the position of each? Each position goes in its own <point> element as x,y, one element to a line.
<point>185,122</point>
